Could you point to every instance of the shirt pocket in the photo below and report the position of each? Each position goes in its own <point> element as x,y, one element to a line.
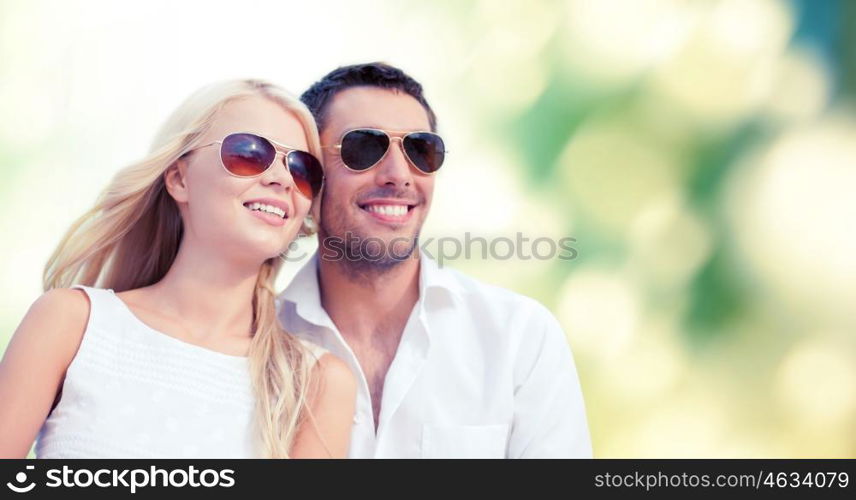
<point>464,441</point>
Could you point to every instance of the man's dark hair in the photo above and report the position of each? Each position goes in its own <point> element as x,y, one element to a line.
<point>376,74</point>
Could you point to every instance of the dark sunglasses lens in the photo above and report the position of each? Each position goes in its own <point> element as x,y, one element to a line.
<point>246,155</point>
<point>425,150</point>
<point>363,148</point>
<point>306,171</point>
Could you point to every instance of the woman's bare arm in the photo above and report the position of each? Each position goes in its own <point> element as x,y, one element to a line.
<point>34,366</point>
<point>327,433</point>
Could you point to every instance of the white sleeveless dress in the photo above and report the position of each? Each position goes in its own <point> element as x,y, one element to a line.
<point>134,392</point>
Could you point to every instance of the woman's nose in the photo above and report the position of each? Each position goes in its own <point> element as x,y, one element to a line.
<point>278,173</point>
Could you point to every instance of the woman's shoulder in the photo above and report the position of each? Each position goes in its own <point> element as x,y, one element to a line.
<point>68,307</point>
<point>315,351</point>
<point>55,323</point>
<point>331,369</point>
<point>328,365</point>
<point>322,360</point>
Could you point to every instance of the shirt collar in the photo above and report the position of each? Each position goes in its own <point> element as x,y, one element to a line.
<point>305,293</point>
<point>433,278</point>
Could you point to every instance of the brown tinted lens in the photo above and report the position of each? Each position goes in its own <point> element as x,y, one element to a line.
<point>246,155</point>
<point>425,150</point>
<point>306,171</point>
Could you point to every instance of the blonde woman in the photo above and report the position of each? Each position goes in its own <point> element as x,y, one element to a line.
<point>157,335</point>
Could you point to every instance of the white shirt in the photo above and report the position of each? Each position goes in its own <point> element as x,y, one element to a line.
<point>134,392</point>
<point>480,372</point>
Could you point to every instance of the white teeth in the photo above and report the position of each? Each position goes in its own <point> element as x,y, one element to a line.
<point>266,208</point>
<point>390,210</point>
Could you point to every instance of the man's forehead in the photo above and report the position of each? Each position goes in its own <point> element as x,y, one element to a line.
<point>375,107</point>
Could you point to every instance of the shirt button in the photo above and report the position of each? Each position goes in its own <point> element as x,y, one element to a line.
<point>357,418</point>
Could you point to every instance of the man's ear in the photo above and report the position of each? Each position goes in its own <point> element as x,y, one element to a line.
<point>315,208</point>
<point>175,180</point>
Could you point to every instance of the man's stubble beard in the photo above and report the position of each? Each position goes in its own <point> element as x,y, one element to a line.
<point>364,259</point>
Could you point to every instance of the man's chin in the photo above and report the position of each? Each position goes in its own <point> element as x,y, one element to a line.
<point>397,247</point>
<point>402,250</point>
<point>364,239</point>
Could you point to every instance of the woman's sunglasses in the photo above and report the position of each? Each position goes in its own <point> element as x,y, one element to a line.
<point>249,155</point>
<point>363,148</point>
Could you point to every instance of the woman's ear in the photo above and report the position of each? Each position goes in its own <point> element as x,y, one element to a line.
<point>175,180</point>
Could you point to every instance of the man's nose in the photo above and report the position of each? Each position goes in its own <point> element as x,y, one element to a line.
<point>394,169</point>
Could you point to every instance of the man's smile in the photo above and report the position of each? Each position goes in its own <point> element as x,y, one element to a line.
<point>389,210</point>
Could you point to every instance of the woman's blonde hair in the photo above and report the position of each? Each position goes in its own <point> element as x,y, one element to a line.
<point>130,238</point>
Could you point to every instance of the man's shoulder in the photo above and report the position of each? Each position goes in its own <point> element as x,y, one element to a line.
<point>506,317</point>
<point>473,290</point>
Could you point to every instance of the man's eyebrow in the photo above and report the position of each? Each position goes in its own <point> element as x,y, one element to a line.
<point>361,125</point>
<point>379,127</point>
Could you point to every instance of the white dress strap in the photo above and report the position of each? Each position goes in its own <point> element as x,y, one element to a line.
<point>134,392</point>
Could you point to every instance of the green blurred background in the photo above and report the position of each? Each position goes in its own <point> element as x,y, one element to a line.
<point>702,153</point>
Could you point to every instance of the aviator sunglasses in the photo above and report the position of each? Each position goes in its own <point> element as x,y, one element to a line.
<point>249,155</point>
<point>363,148</point>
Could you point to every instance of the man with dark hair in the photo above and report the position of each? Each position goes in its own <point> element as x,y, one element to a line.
<point>379,75</point>
<point>447,366</point>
